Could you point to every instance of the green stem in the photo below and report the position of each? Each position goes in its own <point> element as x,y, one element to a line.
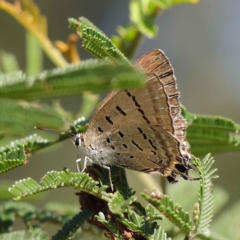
<point>132,46</point>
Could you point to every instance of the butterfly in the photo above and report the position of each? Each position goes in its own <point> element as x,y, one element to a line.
<point>141,129</point>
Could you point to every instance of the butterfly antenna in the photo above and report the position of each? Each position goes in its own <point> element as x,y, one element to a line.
<point>47,129</point>
<point>66,117</point>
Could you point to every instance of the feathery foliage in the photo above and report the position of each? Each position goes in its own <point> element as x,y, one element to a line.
<point>71,226</point>
<point>25,235</point>
<point>171,211</point>
<point>159,234</point>
<point>212,134</point>
<point>12,157</point>
<point>53,180</point>
<point>95,41</point>
<point>203,211</point>
<point>90,75</point>
<point>15,120</point>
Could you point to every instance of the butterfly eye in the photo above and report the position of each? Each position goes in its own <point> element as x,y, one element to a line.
<point>77,140</point>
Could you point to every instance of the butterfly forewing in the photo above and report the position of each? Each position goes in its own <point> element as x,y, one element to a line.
<point>147,105</point>
<point>156,62</point>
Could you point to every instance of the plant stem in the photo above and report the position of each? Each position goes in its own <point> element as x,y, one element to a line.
<point>132,46</point>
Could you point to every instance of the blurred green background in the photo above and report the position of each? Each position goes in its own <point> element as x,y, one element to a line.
<point>202,42</point>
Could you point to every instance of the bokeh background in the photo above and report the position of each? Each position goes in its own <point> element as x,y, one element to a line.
<point>202,42</point>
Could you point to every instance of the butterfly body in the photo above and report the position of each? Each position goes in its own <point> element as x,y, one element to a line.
<point>141,129</point>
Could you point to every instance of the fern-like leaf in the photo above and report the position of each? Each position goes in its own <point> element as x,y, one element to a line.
<point>118,205</point>
<point>159,234</point>
<point>113,228</point>
<point>30,143</point>
<point>25,235</point>
<point>213,134</point>
<point>136,223</point>
<point>71,226</point>
<point>15,120</point>
<point>12,157</point>
<point>90,75</point>
<point>95,41</point>
<point>171,211</point>
<point>31,215</point>
<point>204,208</point>
<point>54,179</point>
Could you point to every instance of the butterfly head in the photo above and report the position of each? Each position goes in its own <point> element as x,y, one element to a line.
<point>78,140</point>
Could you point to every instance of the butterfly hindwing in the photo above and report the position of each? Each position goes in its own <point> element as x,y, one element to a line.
<point>143,148</point>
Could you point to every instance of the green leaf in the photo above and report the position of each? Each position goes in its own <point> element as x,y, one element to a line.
<point>142,14</point>
<point>213,134</point>
<point>143,18</point>
<point>128,39</point>
<point>184,1</point>
<point>189,117</point>
<point>25,235</point>
<point>84,22</point>
<point>135,222</point>
<point>118,205</point>
<point>30,143</point>
<point>90,75</point>
<point>204,208</point>
<point>172,211</point>
<point>151,214</point>
<point>6,220</point>
<point>112,227</point>
<point>95,41</point>
<point>34,55</point>
<point>71,226</point>
<point>31,215</point>
<point>12,157</point>
<point>159,234</point>
<point>15,120</point>
<point>164,4</point>
<point>54,179</point>
<point>8,62</point>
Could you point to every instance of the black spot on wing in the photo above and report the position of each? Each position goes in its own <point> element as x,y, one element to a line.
<point>121,111</point>
<point>100,130</point>
<point>135,144</point>
<point>143,134</point>
<point>120,134</point>
<point>109,120</point>
<point>151,143</point>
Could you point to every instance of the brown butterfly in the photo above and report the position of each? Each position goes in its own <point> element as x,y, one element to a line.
<point>141,129</point>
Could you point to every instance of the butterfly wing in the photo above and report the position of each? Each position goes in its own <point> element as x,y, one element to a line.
<point>143,148</point>
<point>156,104</point>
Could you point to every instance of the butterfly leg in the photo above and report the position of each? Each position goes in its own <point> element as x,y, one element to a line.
<point>86,159</point>
<point>109,175</point>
